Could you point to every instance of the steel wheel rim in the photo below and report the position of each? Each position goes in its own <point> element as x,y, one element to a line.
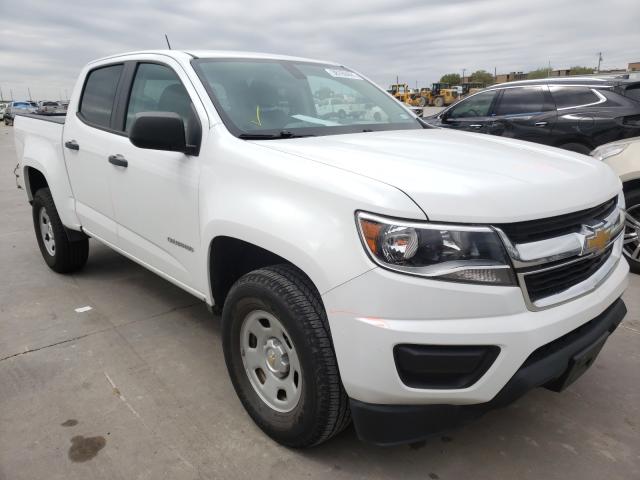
<point>631,247</point>
<point>46,232</point>
<point>270,361</point>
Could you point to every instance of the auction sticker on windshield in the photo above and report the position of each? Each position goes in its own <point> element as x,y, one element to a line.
<point>338,73</point>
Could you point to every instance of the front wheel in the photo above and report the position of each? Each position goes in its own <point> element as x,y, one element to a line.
<point>280,357</point>
<point>439,102</point>
<point>61,254</point>
<point>631,247</point>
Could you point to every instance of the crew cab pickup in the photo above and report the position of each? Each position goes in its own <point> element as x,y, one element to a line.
<point>367,268</point>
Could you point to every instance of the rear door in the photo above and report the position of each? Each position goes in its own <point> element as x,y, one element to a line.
<point>88,136</point>
<point>472,114</point>
<point>525,113</point>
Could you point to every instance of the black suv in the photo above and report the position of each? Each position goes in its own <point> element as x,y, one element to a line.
<point>577,114</point>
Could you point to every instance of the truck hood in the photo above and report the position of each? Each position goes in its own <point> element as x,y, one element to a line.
<point>465,177</point>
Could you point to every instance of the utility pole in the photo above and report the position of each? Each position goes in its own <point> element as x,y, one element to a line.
<point>29,90</point>
<point>1,96</point>
<point>66,94</point>
<point>549,69</point>
<point>11,92</point>
<point>495,73</point>
<point>599,60</point>
<point>463,71</point>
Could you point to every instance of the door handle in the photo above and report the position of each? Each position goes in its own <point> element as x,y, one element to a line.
<point>475,125</point>
<point>540,124</point>
<point>72,145</point>
<point>118,161</point>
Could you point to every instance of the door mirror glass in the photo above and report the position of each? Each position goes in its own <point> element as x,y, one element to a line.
<point>158,131</point>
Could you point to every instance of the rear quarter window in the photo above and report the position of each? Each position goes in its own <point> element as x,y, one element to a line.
<point>99,94</point>
<point>568,97</point>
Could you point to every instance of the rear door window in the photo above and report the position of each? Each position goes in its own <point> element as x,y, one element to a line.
<point>99,93</point>
<point>520,101</point>
<point>569,97</point>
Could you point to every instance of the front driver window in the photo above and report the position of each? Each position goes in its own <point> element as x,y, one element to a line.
<point>478,105</point>
<point>156,88</point>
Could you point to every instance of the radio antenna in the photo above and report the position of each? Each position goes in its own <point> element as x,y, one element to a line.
<point>167,39</point>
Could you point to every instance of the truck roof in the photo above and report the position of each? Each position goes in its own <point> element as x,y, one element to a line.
<point>188,54</point>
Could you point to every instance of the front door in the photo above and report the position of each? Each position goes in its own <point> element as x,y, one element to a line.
<point>472,114</point>
<point>155,196</point>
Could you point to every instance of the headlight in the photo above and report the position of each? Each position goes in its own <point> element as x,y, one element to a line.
<point>606,151</point>
<point>439,251</point>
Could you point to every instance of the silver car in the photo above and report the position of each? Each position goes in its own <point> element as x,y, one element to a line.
<point>48,107</point>
<point>18,107</point>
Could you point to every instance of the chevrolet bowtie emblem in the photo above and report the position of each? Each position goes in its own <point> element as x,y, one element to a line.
<point>597,241</point>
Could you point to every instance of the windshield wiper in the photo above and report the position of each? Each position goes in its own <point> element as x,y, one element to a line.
<point>272,136</point>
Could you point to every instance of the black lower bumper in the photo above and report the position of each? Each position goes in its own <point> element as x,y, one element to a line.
<point>554,366</point>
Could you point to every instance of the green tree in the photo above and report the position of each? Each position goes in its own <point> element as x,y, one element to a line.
<point>542,72</point>
<point>451,79</point>
<point>481,76</point>
<point>577,70</point>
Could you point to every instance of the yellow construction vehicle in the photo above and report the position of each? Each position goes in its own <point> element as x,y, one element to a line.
<point>439,95</point>
<point>469,88</point>
<point>403,93</point>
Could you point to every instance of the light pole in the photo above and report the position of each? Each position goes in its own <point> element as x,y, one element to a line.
<point>463,72</point>
<point>599,60</point>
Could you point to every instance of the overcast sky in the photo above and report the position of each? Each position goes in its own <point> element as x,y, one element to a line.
<point>44,43</point>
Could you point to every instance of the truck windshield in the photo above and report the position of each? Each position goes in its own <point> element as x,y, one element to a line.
<point>266,99</point>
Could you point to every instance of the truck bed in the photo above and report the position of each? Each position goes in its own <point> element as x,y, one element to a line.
<point>55,118</point>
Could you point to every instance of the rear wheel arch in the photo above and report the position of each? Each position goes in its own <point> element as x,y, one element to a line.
<point>34,180</point>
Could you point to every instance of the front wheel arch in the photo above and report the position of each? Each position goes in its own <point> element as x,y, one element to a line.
<point>230,258</point>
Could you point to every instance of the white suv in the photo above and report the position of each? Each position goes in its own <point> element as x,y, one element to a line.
<point>624,157</point>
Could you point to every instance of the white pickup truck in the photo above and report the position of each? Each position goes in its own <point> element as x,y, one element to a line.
<point>404,277</point>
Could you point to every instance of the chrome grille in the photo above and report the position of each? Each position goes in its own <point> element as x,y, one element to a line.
<point>564,261</point>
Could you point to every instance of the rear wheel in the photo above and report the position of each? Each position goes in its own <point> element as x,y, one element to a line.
<point>576,147</point>
<point>439,102</point>
<point>280,357</point>
<point>631,248</point>
<point>61,254</point>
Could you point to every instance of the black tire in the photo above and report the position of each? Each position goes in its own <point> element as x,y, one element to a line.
<point>322,410</point>
<point>67,256</point>
<point>439,102</point>
<point>576,147</point>
<point>632,200</point>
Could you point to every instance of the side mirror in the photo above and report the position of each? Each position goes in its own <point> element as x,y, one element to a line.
<point>159,131</point>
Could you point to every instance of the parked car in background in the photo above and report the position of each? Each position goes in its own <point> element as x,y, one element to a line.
<point>18,107</point>
<point>624,158</point>
<point>48,107</point>
<point>576,114</point>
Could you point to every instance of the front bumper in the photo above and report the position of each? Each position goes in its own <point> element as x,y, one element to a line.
<point>378,310</point>
<point>553,365</point>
